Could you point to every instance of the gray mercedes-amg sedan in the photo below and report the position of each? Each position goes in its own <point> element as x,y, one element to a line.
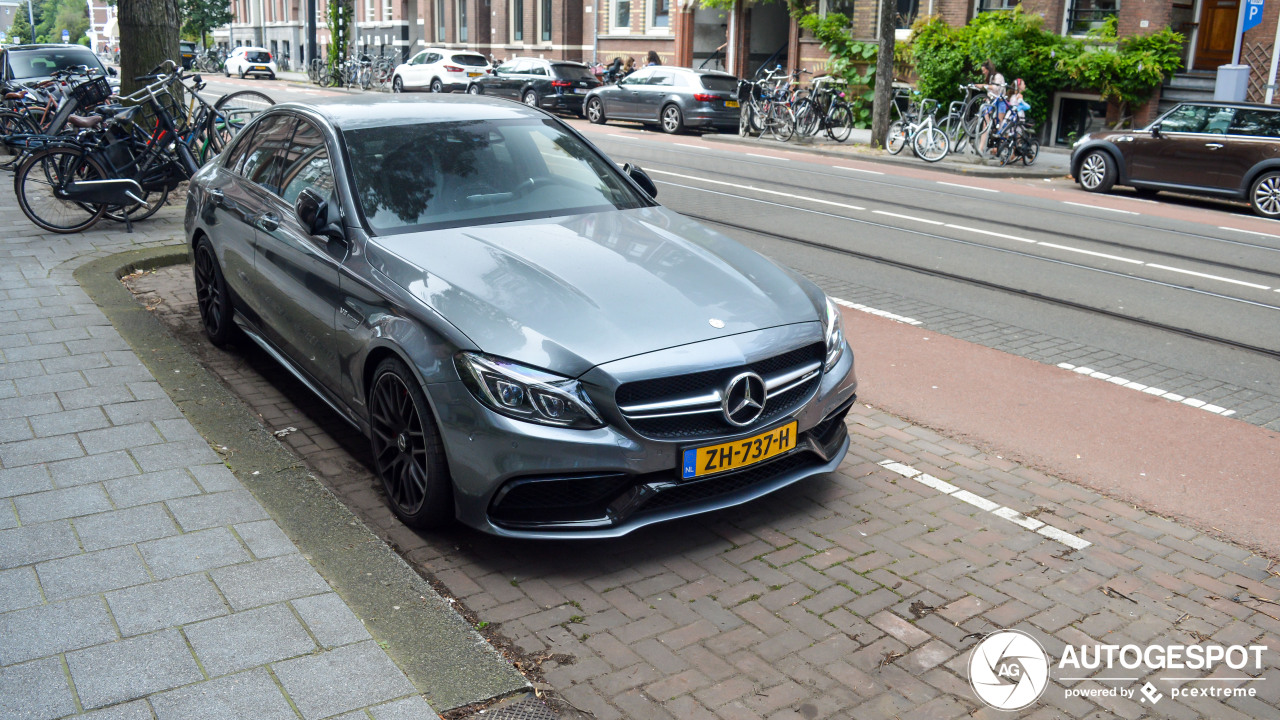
<point>530,342</point>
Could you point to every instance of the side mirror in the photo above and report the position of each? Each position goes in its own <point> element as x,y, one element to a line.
<point>642,179</point>
<point>313,213</point>
<point>1155,130</point>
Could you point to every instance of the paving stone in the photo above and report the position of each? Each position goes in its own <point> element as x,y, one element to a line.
<point>150,488</point>
<point>93,572</point>
<point>330,620</point>
<point>59,504</point>
<point>265,539</point>
<point>193,552</point>
<point>214,478</point>
<point>414,708</point>
<point>155,606</point>
<point>121,437</point>
<point>13,429</point>
<point>35,691</point>
<point>23,480</point>
<point>49,629</point>
<point>131,668</point>
<point>225,508</point>
<point>336,681</point>
<point>141,410</point>
<point>68,421</point>
<point>92,469</point>
<point>254,637</point>
<point>124,527</point>
<point>19,589</point>
<point>40,450</point>
<point>268,581</point>
<point>249,695</point>
<point>34,543</point>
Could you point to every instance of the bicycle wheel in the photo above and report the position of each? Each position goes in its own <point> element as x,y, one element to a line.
<point>1030,149</point>
<point>155,200</point>
<point>930,144</point>
<point>953,128</point>
<point>12,123</point>
<point>236,109</point>
<point>782,122</point>
<point>897,138</point>
<point>43,174</point>
<point>808,118</point>
<point>840,122</point>
<point>745,120</point>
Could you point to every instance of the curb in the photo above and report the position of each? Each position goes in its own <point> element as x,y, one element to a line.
<point>448,662</point>
<point>974,170</point>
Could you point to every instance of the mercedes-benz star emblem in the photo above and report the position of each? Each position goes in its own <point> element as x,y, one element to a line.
<point>744,399</point>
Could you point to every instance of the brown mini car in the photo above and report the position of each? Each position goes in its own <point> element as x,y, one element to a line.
<point>1229,150</point>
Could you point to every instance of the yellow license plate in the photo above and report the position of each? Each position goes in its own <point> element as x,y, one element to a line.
<point>724,457</point>
<point>731,103</point>
<point>471,74</point>
<point>260,67</point>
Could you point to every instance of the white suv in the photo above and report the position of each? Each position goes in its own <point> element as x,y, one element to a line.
<point>250,61</point>
<point>439,70</point>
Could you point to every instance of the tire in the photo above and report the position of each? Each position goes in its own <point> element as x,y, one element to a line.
<point>746,119</point>
<point>931,145</point>
<point>807,118</point>
<point>474,89</point>
<point>397,85</point>
<point>12,123</point>
<point>1030,150</point>
<point>408,454</point>
<point>239,108</point>
<point>531,98</point>
<point>896,139</point>
<point>1097,172</point>
<point>595,111</point>
<point>840,124</point>
<point>437,86</point>
<point>1264,195</point>
<point>242,74</point>
<point>954,130</point>
<point>212,296</point>
<point>672,120</point>
<point>34,184</point>
<point>781,122</point>
<point>156,199</point>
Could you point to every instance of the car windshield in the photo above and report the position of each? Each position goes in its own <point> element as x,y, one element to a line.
<point>258,56</point>
<point>470,60</point>
<point>720,83</point>
<point>43,61</point>
<point>573,72</point>
<point>434,175</point>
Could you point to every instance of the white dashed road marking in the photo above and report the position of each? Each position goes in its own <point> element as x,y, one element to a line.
<point>881,313</point>
<point>967,187</point>
<point>987,505</point>
<point>907,217</point>
<point>854,169</point>
<point>1099,207</point>
<point>1122,382</point>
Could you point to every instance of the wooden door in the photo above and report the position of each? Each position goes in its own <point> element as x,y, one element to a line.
<point>1217,33</point>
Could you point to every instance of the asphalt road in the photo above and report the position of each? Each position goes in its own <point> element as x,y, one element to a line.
<point>1179,290</point>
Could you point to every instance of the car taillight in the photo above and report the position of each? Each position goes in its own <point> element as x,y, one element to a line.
<point>452,68</point>
<point>268,57</point>
<point>705,97</point>
<point>561,83</point>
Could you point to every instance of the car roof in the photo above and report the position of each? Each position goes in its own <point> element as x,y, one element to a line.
<point>1245,105</point>
<point>250,47</point>
<point>367,111</point>
<point>47,46</point>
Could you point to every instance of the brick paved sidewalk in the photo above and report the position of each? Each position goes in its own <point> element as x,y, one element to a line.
<point>136,572</point>
<point>859,594</point>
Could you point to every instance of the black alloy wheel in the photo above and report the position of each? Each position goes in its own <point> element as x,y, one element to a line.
<point>408,453</point>
<point>212,296</point>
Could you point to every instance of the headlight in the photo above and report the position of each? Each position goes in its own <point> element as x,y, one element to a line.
<point>1083,139</point>
<point>833,329</point>
<point>526,393</point>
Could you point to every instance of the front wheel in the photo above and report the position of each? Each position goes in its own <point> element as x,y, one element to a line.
<point>1098,172</point>
<point>408,453</point>
<point>212,296</point>
<point>931,145</point>
<point>531,98</point>
<point>840,124</point>
<point>781,122</point>
<point>595,111</point>
<point>1264,196</point>
<point>1030,149</point>
<point>808,121</point>
<point>672,120</point>
<point>474,89</point>
<point>397,85</point>
<point>437,86</point>
<point>896,138</point>
<point>42,177</point>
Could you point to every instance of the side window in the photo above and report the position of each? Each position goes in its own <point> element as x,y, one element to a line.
<point>237,152</point>
<point>306,165</point>
<point>1256,123</point>
<point>662,77</point>
<point>433,58</point>
<point>1186,118</point>
<point>537,69</point>
<point>1219,120</point>
<point>639,77</point>
<point>507,67</point>
<point>267,152</point>
<point>417,59</point>
<point>520,66</point>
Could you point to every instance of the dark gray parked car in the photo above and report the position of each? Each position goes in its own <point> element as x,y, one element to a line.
<point>34,63</point>
<point>556,85</point>
<point>531,343</point>
<point>674,98</point>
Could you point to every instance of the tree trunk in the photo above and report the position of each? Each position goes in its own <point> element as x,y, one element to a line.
<point>148,37</point>
<point>884,74</point>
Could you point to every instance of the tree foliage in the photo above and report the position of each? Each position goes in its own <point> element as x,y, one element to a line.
<point>339,19</point>
<point>54,16</point>
<point>852,61</point>
<point>201,16</point>
<point>21,27</point>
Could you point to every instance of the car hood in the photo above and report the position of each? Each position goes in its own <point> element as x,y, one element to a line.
<point>569,293</point>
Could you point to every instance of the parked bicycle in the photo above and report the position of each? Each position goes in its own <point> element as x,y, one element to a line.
<point>917,127</point>
<point>824,110</point>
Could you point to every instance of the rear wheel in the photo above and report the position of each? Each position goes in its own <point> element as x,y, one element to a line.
<point>896,138</point>
<point>595,111</point>
<point>408,453</point>
<point>437,86</point>
<point>236,109</point>
<point>930,144</point>
<point>474,89</point>
<point>672,120</point>
<point>1098,172</point>
<point>46,173</point>
<point>808,120</point>
<point>1030,149</point>
<point>746,117</point>
<point>1264,196</point>
<point>781,122</point>
<point>840,124</point>
<point>397,85</point>
<point>531,98</point>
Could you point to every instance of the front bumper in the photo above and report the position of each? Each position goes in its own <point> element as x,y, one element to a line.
<point>518,479</point>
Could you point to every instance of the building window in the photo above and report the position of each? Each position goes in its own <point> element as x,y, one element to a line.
<point>996,5</point>
<point>661,13</point>
<point>907,11</point>
<point>517,20</point>
<point>387,12</point>
<point>1086,15</point>
<point>370,13</point>
<point>462,20</point>
<point>546,21</point>
<point>622,14</point>
<point>439,20</point>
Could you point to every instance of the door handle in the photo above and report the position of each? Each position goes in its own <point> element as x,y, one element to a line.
<point>1213,146</point>
<point>267,221</point>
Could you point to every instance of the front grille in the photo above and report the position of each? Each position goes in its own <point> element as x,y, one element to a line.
<point>719,485</point>
<point>710,424</point>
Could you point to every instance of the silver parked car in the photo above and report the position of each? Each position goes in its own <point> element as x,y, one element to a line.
<point>672,97</point>
<point>531,343</point>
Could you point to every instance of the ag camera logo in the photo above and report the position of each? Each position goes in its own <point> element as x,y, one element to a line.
<point>1008,670</point>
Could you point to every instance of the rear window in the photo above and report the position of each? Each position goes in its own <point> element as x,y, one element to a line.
<point>573,72</point>
<point>471,60</point>
<point>257,56</point>
<point>42,62</point>
<point>1258,123</point>
<point>720,83</point>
